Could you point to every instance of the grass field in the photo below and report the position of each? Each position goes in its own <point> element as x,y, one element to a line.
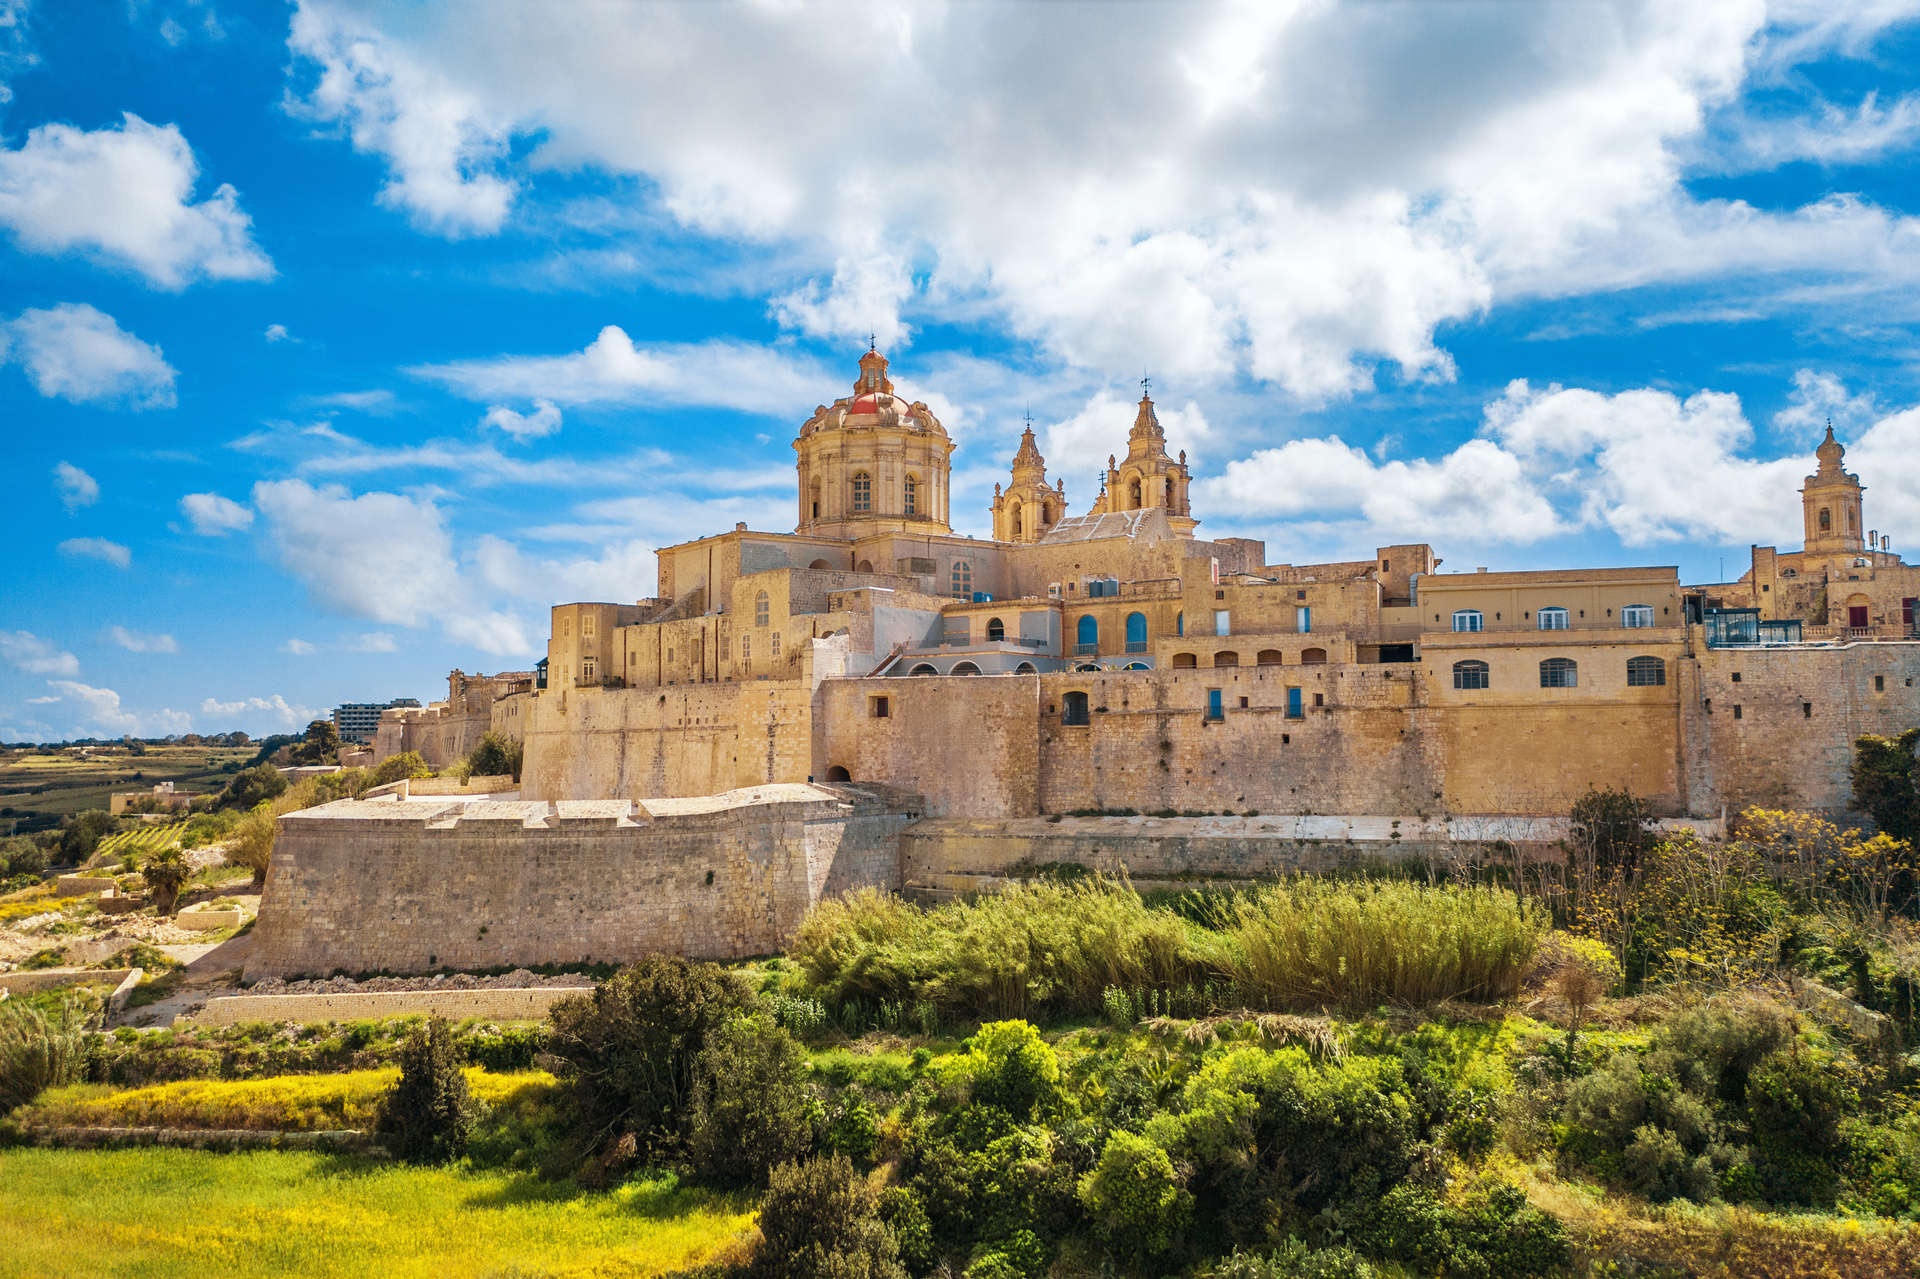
<point>56,783</point>
<point>158,1214</point>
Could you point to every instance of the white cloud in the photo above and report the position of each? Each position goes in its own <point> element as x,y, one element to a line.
<point>1818,398</point>
<point>77,488</point>
<point>379,403</point>
<point>214,516</point>
<point>373,642</point>
<point>438,143</point>
<point>613,370</point>
<point>622,573</point>
<point>74,352</point>
<point>385,557</point>
<point>544,420</point>
<point>16,54</point>
<point>28,652</point>
<point>142,642</point>
<point>299,648</point>
<point>98,711</point>
<point>97,548</point>
<point>124,196</point>
<point>1305,192</point>
<point>278,333</point>
<point>275,710</point>
<point>1101,427</point>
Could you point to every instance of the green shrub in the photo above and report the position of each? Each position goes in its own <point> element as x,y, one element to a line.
<point>252,841</point>
<point>804,1018</point>
<point>1797,1104</point>
<point>912,1233</point>
<point>429,1115</point>
<point>81,834</point>
<point>51,957</point>
<point>820,1219</point>
<point>254,786</point>
<point>1493,1233</point>
<point>505,1049</point>
<point>496,755</point>
<point>43,1044</point>
<point>1012,1068</point>
<point>399,767</point>
<point>22,856</point>
<point>1293,1260</point>
<point>629,1049</point>
<point>1134,1200</point>
<point>750,1107</point>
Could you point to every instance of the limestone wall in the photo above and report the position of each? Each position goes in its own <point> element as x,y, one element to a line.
<point>413,885</point>
<point>505,1004</point>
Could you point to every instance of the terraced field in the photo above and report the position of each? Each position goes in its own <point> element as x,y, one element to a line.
<point>51,784</point>
<point>143,840</point>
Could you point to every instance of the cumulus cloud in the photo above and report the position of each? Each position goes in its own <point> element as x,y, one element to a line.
<point>214,516</point>
<point>25,651</point>
<point>124,196</point>
<point>299,648</point>
<point>1303,192</point>
<point>543,420</point>
<point>97,548</point>
<point>1819,398</point>
<point>373,642</point>
<point>386,557</point>
<point>278,333</point>
<point>621,573</point>
<point>76,487</point>
<point>75,352</point>
<point>275,709</point>
<point>1101,426</point>
<point>142,641</point>
<point>614,370</point>
<point>98,710</point>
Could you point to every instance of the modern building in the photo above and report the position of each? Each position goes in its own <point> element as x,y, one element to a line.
<point>357,721</point>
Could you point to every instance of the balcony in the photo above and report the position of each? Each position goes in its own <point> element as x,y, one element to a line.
<point>1086,650</point>
<point>1136,646</point>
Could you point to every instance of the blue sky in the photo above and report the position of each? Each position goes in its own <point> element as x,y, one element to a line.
<point>338,340</point>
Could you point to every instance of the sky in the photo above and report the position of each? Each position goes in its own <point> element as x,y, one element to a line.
<point>339,340</point>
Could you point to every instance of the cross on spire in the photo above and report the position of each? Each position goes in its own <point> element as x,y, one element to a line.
<point>1146,385</point>
<point>871,341</point>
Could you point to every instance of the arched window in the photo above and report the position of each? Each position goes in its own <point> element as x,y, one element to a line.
<point>1826,520</point>
<point>962,579</point>
<point>838,774</point>
<point>1553,618</point>
<point>1269,657</point>
<point>1467,619</point>
<point>1138,666</point>
<point>1184,661</point>
<point>1088,666</point>
<point>1313,656</point>
<point>1634,616</point>
<point>746,648</point>
<point>760,609</point>
<point>965,668</point>
<point>819,564</point>
<point>1471,675</point>
<point>1180,625</point>
<point>1136,632</point>
<point>1559,672</point>
<point>1046,514</point>
<point>1646,672</point>
<point>864,566</point>
<point>813,497</point>
<point>911,495</point>
<point>923,669</point>
<point>1226,659</point>
<point>1073,709</point>
<point>862,492</point>
<point>996,630</point>
<point>1133,496</point>
<point>1025,668</point>
<point>1086,635</point>
<point>1016,521</point>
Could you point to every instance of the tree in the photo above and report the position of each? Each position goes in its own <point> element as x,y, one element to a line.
<point>397,767</point>
<point>252,845</point>
<point>496,755</point>
<point>1884,784</point>
<point>751,1107</point>
<point>629,1049</point>
<point>1134,1198</point>
<point>254,786</point>
<point>821,1218</point>
<point>320,745</point>
<point>82,834</point>
<point>428,1115</point>
<point>166,873</point>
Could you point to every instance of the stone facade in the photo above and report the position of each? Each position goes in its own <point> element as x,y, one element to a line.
<point>411,885</point>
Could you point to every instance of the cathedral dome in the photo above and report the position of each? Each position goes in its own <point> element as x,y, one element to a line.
<point>873,404</point>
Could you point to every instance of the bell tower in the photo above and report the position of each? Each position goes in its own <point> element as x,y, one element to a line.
<point>1147,477</point>
<point>1029,507</point>
<point>1830,503</point>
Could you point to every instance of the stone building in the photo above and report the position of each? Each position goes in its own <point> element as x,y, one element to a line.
<point>1113,660</point>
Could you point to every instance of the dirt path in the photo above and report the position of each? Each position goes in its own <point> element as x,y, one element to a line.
<point>210,970</point>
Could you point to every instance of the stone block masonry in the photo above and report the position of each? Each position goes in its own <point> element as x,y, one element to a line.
<point>494,1004</point>
<point>412,885</point>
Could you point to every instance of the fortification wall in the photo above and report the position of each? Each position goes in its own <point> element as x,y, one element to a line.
<point>403,885</point>
<point>972,742</point>
<point>1775,727</point>
<point>695,739</point>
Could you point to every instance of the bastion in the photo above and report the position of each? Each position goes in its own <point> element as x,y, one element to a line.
<point>415,884</point>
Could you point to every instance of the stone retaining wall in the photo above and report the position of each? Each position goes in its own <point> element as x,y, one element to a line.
<point>510,1004</point>
<point>83,1138</point>
<point>81,885</point>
